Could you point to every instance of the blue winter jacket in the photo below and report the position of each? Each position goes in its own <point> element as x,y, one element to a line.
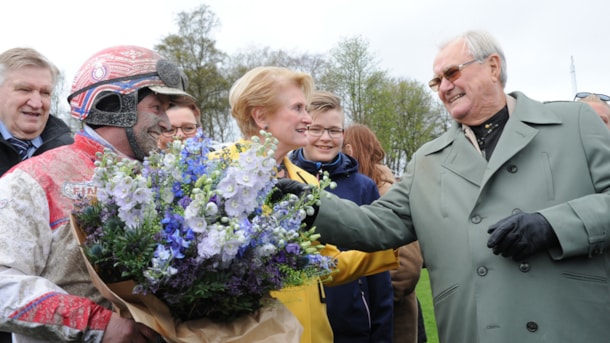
<point>359,311</point>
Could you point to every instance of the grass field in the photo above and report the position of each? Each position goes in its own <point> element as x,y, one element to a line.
<point>425,298</point>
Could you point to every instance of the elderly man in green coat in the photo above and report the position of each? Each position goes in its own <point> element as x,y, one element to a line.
<point>511,208</point>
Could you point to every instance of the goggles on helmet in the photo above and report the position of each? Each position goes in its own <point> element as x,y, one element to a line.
<point>105,89</point>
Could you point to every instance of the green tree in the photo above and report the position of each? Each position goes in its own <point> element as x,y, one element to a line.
<point>382,116</point>
<point>418,119</point>
<point>194,50</point>
<point>401,112</point>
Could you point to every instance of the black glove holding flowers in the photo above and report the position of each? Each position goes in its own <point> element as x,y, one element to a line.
<point>288,186</point>
<point>521,235</point>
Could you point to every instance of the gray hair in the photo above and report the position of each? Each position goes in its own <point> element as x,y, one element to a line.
<point>480,45</point>
<point>593,98</point>
<point>17,58</point>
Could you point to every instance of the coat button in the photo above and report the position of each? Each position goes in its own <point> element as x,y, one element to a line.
<point>532,326</point>
<point>482,271</point>
<point>512,168</point>
<point>524,267</point>
<point>475,219</point>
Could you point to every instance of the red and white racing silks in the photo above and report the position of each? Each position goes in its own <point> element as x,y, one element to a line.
<point>45,291</point>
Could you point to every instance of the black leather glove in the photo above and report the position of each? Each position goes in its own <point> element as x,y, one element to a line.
<point>521,235</point>
<point>288,186</point>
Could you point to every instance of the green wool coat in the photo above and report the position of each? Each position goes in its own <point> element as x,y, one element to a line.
<point>553,158</point>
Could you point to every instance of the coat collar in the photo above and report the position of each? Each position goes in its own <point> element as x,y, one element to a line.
<point>463,158</point>
<point>294,172</point>
<point>298,174</point>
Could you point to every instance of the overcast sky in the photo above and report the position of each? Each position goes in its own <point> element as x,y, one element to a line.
<point>539,37</point>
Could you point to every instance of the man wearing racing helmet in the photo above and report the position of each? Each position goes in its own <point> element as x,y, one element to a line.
<point>121,94</point>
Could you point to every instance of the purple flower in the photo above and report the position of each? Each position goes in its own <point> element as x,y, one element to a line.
<point>219,241</point>
<point>293,248</point>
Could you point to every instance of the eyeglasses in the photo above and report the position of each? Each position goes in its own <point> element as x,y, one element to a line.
<point>581,95</point>
<point>318,131</point>
<point>188,129</point>
<point>451,74</point>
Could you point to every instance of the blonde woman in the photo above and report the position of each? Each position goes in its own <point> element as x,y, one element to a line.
<point>185,120</point>
<point>275,100</point>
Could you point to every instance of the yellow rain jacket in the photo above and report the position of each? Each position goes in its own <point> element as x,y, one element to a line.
<point>307,302</point>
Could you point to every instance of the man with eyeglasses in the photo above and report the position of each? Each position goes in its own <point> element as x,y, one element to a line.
<point>599,102</point>
<point>511,207</point>
<point>122,94</point>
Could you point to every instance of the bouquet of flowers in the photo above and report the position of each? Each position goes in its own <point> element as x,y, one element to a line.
<point>206,233</point>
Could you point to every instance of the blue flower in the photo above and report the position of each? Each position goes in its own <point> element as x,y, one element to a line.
<point>215,230</point>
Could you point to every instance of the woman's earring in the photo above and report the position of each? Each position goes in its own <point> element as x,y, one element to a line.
<point>266,127</point>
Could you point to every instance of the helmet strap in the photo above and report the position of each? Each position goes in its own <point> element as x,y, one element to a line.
<point>135,148</point>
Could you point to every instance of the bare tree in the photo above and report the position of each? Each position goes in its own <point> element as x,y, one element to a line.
<point>59,104</point>
<point>351,73</point>
<point>252,57</point>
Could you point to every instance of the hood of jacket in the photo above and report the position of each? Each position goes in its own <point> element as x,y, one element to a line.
<point>341,165</point>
